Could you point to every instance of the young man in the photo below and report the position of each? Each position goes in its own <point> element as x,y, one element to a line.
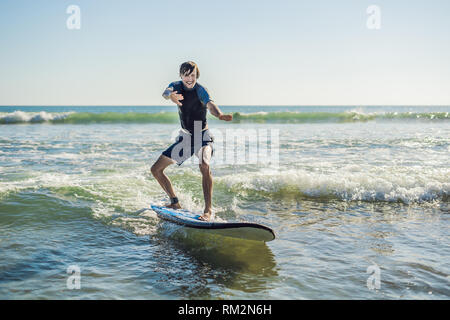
<point>193,102</point>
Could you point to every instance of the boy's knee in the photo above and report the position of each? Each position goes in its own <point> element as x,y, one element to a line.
<point>155,170</point>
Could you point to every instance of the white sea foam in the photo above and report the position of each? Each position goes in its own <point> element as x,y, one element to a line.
<point>32,117</point>
<point>374,184</point>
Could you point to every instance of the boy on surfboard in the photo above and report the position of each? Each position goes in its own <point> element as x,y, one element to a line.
<point>193,101</point>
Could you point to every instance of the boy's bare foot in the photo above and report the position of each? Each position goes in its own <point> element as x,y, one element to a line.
<point>205,216</point>
<point>173,206</point>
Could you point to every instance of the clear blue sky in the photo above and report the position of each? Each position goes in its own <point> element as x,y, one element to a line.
<point>250,52</point>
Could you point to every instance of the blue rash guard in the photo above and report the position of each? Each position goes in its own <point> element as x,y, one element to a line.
<point>193,105</point>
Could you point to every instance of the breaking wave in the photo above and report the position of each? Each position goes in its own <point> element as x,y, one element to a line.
<point>18,117</point>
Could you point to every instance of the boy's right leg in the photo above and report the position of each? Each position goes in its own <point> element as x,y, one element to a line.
<point>158,172</point>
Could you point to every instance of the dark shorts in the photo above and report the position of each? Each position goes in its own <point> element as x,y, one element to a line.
<point>186,145</point>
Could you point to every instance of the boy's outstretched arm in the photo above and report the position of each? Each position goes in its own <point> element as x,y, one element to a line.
<point>215,111</point>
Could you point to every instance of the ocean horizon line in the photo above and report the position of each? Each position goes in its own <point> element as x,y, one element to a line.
<point>236,105</point>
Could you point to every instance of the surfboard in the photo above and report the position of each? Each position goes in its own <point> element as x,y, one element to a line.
<point>241,230</point>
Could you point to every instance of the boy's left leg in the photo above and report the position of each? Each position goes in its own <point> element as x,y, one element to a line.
<point>207,182</point>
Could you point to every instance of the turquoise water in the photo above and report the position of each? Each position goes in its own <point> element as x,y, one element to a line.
<point>354,187</point>
<point>242,114</point>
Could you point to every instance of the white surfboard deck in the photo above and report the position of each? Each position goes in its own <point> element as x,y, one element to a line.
<point>241,230</point>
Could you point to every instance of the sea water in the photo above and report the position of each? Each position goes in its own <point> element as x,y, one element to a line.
<point>358,198</point>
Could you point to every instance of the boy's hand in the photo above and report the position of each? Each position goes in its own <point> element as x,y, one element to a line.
<point>176,97</point>
<point>226,117</point>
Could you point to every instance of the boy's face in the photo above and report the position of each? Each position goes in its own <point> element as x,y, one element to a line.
<point>189,80</point>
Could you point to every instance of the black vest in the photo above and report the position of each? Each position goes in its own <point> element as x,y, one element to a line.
<point>192,109</point>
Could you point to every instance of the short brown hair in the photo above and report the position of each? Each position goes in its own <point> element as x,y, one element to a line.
<point>188,67</point>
